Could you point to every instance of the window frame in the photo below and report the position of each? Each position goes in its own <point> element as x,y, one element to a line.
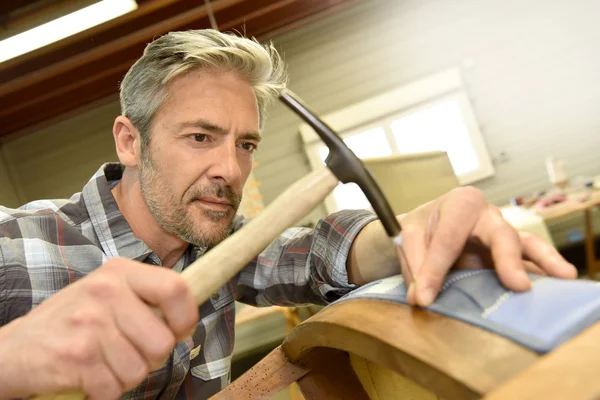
<point>382,109</point>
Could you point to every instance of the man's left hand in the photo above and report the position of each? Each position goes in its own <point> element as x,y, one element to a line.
<point>461,230</point>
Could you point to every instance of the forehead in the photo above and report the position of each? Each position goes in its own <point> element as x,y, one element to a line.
<point>219,97</point>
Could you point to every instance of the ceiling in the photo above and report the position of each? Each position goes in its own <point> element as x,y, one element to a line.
<point>86,67</point>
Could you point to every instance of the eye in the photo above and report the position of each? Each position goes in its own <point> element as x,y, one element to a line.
<point>200,137</point>
<point>250,147</point>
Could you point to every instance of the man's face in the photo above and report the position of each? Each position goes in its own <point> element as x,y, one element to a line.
<point>200,155</point>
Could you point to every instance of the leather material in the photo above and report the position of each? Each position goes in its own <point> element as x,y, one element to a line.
<point>552,312</point>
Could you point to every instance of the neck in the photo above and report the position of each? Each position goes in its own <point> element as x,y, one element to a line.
<point>129,198</point>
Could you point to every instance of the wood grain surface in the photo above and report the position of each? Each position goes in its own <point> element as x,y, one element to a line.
<point>451,358</point>
<point>569,372</point>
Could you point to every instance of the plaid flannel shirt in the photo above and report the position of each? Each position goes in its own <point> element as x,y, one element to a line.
<point>48,244</point>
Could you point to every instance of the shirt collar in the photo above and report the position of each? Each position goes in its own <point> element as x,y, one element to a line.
<point>113,231</point>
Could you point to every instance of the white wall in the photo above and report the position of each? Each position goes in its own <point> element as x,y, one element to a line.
<point>532,83</point>
<point>530,69</point>
<point>8,192</point>
<point>59,158</point>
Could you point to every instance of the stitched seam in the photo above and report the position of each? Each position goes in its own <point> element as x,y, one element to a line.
<point>496,304</point>
<point>455,279</point>
<point>494,307</point>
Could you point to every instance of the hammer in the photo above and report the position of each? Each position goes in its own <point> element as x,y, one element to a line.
<point>213,270</point>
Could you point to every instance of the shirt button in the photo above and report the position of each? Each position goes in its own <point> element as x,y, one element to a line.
<point>216,296</point>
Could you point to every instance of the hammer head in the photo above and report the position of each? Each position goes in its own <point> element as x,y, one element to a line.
<point>346,166</point>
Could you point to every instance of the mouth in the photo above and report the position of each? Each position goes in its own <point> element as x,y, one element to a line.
<point>214,204</point>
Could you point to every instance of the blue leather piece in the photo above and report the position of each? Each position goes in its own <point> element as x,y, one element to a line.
<point>552,312</point>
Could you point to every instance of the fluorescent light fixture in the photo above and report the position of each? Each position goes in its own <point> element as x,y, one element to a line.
<point>63,27</point>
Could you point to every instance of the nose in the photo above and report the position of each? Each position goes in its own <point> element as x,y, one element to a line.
<point>225,166</point>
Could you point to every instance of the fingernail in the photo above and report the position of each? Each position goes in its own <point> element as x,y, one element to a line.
<point>410,294</point>
<point>522,274</point>
<point>425,296</point>
<point>188,335</point>
<point>569,265</point>
<point>557,260</point>
<point>524,277</point>
<point>573,269</point>
<point>186,339</point>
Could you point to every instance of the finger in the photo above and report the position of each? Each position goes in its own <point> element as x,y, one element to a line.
<point>166,290</point>
<point>135,319</point>
<point>417,230</point>
<point>475,256</point>
<point>99,383</point>
<point>458,214</point>
<point>533,268</point>
<point>406,274</point>
<point>505,247</point>
<point>411,254</point>
<point>123,359</point>
<point>414,249</point>
<point>546,256</point>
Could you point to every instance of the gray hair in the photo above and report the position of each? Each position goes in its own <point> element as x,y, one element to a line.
<point>144,88</point>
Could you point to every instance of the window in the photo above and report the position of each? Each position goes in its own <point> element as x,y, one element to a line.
<point>431,114</point>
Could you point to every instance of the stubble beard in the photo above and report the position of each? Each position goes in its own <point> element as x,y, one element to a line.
<point>174,216</point>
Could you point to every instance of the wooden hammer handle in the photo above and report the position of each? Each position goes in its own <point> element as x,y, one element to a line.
<point>210,272</point>
<point>217,267</point>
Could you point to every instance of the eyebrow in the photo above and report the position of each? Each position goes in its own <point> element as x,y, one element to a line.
<point>212,128</point>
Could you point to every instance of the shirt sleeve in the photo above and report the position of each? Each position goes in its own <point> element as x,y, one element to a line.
<point>15,286</point>
<point>304,265</point>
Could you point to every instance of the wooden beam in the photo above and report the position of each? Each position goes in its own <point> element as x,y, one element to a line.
<point>8,7</point>
<point>280,15</point>
<point>75,95</point>
<point>117,48</point>
<point>149,13</point>
<point>88,66</point>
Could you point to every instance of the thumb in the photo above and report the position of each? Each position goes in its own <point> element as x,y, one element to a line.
<point>447,243</point>
<point>426,288</point>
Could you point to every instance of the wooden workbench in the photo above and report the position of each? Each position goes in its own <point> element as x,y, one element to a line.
<point>575,204</point>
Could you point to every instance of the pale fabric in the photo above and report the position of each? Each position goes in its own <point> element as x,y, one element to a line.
<point>527,221</point>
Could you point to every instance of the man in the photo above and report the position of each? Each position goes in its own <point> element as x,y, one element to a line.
<point>79,278</point>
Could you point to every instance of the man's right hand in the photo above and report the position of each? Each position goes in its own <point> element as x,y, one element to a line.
<point>100,334</point>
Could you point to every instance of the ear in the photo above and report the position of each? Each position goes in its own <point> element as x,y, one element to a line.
<point>127,141</point>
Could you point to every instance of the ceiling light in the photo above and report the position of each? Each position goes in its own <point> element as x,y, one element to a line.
<point>63,27</point>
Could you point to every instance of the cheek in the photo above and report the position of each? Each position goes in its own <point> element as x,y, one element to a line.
<point>176,169</point>
<point>172,179</point>
<point>245,163</point>
<point>183,167</point>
